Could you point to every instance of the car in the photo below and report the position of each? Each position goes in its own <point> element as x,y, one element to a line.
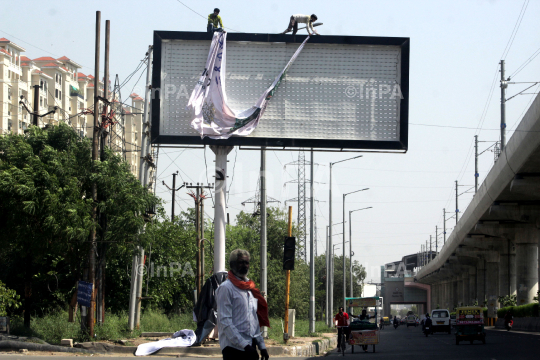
<point>411,320</point>
<point>403,321</point>
<point>440,321</point>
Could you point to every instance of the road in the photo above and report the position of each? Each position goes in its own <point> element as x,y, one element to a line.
<point>410,343</point>
<point>404,343</point>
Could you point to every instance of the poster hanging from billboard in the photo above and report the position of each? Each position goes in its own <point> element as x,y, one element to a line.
<point>345,92</point>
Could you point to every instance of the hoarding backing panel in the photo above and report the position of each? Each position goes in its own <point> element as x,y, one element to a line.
<point>338,94</point>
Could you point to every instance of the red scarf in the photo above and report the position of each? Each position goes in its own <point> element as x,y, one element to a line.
<point>262,306</point>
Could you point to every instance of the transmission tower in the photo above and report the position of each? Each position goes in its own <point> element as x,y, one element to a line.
<point>301,181</point>
<point>256,200</point>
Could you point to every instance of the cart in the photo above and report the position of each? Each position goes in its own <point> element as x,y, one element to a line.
<point>470,324</point>
<point>363,332</point>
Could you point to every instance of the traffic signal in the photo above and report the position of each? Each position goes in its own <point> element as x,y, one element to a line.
<point>288,253</point>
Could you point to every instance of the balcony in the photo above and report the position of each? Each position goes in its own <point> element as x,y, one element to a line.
<point>73,91</point>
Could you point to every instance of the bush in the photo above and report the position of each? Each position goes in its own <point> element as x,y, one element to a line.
<point>8,299</point>
<point>529,310</point>
<point>508,300</point>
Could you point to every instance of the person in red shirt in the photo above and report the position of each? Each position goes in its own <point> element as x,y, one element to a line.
<point>342,321</point>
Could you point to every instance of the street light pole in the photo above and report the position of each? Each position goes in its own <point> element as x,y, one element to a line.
<point>330,222</point>
<point>350,250</point>
<point>344,262</point>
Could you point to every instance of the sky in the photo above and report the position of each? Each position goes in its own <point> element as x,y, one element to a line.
<point>454,94</point>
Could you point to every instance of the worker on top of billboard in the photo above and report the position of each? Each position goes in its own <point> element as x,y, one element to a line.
<point>303,19</point>
<point>214,20</point>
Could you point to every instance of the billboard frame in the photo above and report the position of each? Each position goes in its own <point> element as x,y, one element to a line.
<point>400,145</point>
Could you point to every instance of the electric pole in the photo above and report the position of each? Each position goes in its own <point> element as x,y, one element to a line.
<point>199,225</point>
<point>95,143</point>
<point>430,249</point>
<point>457,207</point>
<point>504,85</point>
<point>436,239</point>
<point>174,190</point>
<point>476,164</point>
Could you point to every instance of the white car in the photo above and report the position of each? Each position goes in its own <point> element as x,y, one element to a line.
<point>440,321</point>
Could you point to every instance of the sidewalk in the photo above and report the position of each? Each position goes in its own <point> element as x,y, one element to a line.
<point>303,347</point>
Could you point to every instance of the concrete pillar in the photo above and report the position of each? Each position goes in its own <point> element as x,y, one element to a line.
<point>459,281</point>
<point>526,264</point>
<point>473,297</point>
<point>492,282</point>
<point>507,268</point>
<point>455,293</point>
<point>465,284</point>
<point>433,299</point>
<point>448,293</point>
<point>481,282</point>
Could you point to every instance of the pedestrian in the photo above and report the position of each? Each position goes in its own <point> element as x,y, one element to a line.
<point>214,20</point>
<point>242,310</point>
<point>303,19</point>
<point>364,317</point>
<point>342,323</point>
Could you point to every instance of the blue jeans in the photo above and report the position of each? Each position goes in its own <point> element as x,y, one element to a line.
<point>212,29</point>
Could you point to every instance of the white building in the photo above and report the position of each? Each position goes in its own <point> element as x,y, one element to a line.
<point>61,84</point>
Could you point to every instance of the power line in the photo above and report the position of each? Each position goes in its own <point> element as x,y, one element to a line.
<point>515,30</point>
<point>527,62</point>
<point>204,17</point>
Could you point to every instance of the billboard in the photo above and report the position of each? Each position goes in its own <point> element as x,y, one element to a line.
<point>343,92</point>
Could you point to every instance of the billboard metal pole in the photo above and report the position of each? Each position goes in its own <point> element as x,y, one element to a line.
<point>220,206</point>
<point>264,269</point>
<point>311,252</point>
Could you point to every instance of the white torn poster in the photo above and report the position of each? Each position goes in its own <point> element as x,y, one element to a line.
<point>213,116</point>
<point>181,338</point>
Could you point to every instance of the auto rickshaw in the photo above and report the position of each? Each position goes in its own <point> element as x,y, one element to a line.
<point>470,324</point>
<point>386,320</point>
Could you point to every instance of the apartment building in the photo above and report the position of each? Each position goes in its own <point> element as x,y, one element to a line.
<point>61,84</point>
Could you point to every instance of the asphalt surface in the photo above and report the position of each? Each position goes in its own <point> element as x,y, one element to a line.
<point>410,343</point>
<point>402,343</point>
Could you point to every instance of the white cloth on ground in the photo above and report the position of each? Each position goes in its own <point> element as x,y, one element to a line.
<point>212,115</point>
<point>181,338</point>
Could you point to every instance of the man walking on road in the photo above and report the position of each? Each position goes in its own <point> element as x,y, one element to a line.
<point>242,310</point>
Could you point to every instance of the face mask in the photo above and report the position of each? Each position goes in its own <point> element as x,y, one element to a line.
<point>242,270</point>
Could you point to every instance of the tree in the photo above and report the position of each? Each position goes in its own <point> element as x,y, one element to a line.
<point>45,205</point>
<point>8,299</point>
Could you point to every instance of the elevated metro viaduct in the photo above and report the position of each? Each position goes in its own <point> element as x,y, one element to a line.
<point>493,250</point>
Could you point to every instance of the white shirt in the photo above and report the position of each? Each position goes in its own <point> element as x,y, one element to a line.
<point>238,323</point>
<point>304,19</point>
